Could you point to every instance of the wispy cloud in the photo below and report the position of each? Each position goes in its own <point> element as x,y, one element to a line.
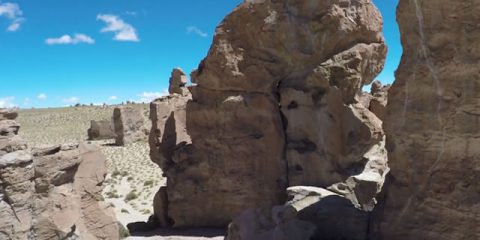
<point>72,100</point>
<point>7,102</point>
<point>67,39</point>
<point>26,102</point>
<point>12,12</point>
<point>150,96</point>
<point>113,98</point>
<point>42,96</point>
<point>196,30</point>
<point>131,13</point>
<point>123,31</point>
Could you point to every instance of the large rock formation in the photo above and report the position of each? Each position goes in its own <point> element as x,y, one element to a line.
<point>129,125</point>
<point>52,193</point>
<point>432,124</point>
<point>101,130</point>
<point>274,106</point>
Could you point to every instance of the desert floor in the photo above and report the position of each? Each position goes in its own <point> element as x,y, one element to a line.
<point>130,171</point>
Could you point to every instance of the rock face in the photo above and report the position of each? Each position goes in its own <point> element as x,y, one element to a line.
<point>375,101</point>
<point>101,130</point>
<point>274,106</point>
<point>53,193</point>
<point>178,82</point>
<point>129,125</point>
<point>432,125</point>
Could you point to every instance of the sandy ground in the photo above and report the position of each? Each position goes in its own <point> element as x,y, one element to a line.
<point>130,171</point>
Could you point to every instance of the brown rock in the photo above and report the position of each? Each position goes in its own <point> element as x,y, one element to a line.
<point>432,125</point>
<point>129,125</point>
<point>275,100</point>
<point>8,114</point>
<point>178,82</point>
<point>168,116</point>
<point>101,130</point>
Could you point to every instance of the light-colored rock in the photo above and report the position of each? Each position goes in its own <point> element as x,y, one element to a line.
<point>101,130</point>
<point>52,193</point>
<point>129,125</point>
<point>178,82</point>
<point>432,125</point>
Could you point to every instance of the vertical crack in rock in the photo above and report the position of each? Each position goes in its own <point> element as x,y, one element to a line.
<point>275,106</point>
<point>433,188</point>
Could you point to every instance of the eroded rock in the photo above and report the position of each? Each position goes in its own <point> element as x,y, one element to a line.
<point>101,130</point>
<point>432,125</point>
<point>274,106</point>
<point>178,82</point>
<point>52,193</point>
<point>129,125</point>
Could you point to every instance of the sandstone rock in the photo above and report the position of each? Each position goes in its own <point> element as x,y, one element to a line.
<point>52,193</point>
<point>432,125</point>
<point>275,102</point>
<point>101,130</point>
<point>8,114</point>
<point>312,213</point>
<point>168,116</point>
<point>129,125</point>
<point>178,82</point>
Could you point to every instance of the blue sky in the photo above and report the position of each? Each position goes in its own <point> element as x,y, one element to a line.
<point>55,53</point>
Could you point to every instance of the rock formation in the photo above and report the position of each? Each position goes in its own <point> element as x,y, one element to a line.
<point>375,101</point>
<point>274,106</point>
<point>178,82</point>
<point>101,130</point>
<point>129,125</point>
<point>52,193</point>
<point>432,125</point>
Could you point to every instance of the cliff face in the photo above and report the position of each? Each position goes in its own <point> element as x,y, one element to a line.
<point>274,106</point>
<point>432,124</point>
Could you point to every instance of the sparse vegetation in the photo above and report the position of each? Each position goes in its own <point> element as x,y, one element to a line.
<point>131,196</point>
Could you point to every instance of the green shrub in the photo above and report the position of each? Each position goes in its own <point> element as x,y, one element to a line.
<point>131,196</point>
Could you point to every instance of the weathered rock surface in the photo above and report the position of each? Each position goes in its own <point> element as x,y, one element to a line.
<point>432,125</point>
<point>274,106</point>
<point>312,213</point>
<point>129,125</point>
<point>8,114</point>
<point>52,193</point>
<point>375,101</point>
<point>178,82</point>
<point>101,130</point>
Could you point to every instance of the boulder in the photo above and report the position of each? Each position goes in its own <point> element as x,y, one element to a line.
<point>274,106</point>
<point>129,125</point>
<point>101,130</point>
<point>178,82</point>
<point>432,125</point>
<point>8,114</point>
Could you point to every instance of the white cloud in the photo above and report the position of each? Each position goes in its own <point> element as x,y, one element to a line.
<point>150,96</point>
<point>113,98</point>
<point>72,100</point>
<point>42,96</point>
<point>123,31</point>
<point>26,102</point>
<point>12,12</point>
<point>67,39</point>
<point>196,30</point>
<point>7,102</point>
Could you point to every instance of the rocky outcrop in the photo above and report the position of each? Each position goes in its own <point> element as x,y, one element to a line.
<point>178,82</point>
<point>129,125</point>
<point>375,101</point>
<point>274,106</point>
<point>432,125</point>
<point>52,193</point>
<point>101,130</point>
